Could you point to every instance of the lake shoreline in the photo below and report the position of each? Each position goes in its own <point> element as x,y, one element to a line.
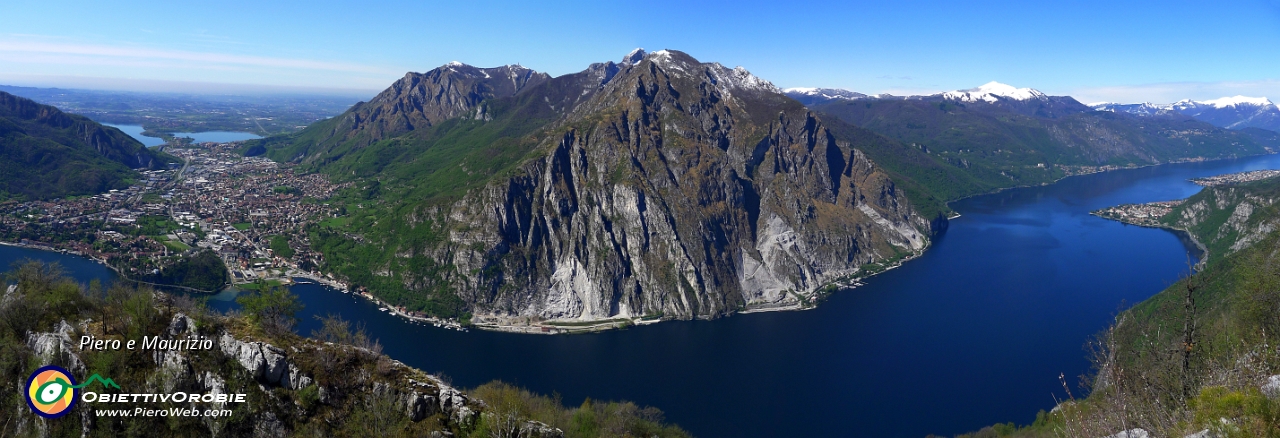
<point>112,268</point>
<point>1005,280</point>
<point>1204,251</point>
<point>596,326</point>
<point>1105,170</point>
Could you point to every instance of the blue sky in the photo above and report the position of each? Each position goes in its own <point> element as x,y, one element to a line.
<point>1124,51</point>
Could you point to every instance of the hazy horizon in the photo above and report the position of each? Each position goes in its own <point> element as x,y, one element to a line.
<point>1095,51</point>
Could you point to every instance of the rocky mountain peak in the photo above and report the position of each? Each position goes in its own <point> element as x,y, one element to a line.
<point>658,185</point>
<point>634,57</point>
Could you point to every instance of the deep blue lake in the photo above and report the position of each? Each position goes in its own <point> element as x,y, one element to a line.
<point>135,131</point>
<point>974,332</point>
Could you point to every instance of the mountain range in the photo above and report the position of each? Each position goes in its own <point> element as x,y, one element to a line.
<point>48,153</point>
<point>654,186</point>
<point>967,142</point>
<point>1236,112</point>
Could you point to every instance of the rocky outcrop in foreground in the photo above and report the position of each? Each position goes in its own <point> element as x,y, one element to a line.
<point>278,380</point>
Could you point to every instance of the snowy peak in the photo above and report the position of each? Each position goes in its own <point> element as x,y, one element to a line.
<point>740,78</point>
<point>1236,112</point>
<point>634,57</point>
<point>1228,102</point>
<point>992,92</point>
<point>727,79</point>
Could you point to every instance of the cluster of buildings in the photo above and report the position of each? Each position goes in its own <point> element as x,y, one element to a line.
<point>1147,215</point>
<point>1236,178</point>
<point>241,203</point>
<point>217,200</point>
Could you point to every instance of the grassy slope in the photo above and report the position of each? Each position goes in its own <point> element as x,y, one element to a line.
<point>36,167</point>
<point>49,157</point>
<point>396,179</point>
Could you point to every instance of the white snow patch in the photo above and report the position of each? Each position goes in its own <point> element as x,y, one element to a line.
<point>663,58</point>
<point>633,57</point>
<point>1227,102</point>
<point>992,92</point>
<point>827,93</point>
<point>739,79</point>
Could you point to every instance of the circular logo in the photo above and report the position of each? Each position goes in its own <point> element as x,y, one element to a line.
<point>51,392</point>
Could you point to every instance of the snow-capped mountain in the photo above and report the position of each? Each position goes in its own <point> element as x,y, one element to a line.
<point>992,92</point>
<point>1025,101</point>
<point>1141,109</point>
<point>810,96</point>
<point>728,79</point>
<point>1237,112</point>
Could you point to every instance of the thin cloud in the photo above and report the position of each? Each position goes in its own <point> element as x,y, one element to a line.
<point>178,55</point>
<point>61,59</point>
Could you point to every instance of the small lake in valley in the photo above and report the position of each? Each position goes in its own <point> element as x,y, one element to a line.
<point>135,131</point>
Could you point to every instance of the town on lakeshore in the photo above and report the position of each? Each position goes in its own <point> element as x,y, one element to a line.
<point>1159,214</point>
<point>1235,178</point>
<point>1150,214</point>
<point>248,212</point>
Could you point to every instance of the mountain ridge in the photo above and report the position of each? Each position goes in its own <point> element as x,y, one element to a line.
<point>50,154</point>
<point>960,148</point>
<point>1237,112</point>
<point>658,186</point>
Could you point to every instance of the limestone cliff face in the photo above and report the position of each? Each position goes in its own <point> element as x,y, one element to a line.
<point>679,188</point>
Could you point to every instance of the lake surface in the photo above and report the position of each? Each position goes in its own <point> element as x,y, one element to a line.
<point>217,136</point>
<point>974,332</point>
<point>135,131</point>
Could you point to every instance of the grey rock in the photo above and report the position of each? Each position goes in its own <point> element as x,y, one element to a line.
<point>57,343</point>
<point>268,426</point>
<point>1132,433</point>
<point>295,380</point>
<point>537,429</point>
<point>1272,388</point>
<point>264,362</point>
<point>182,325</point>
